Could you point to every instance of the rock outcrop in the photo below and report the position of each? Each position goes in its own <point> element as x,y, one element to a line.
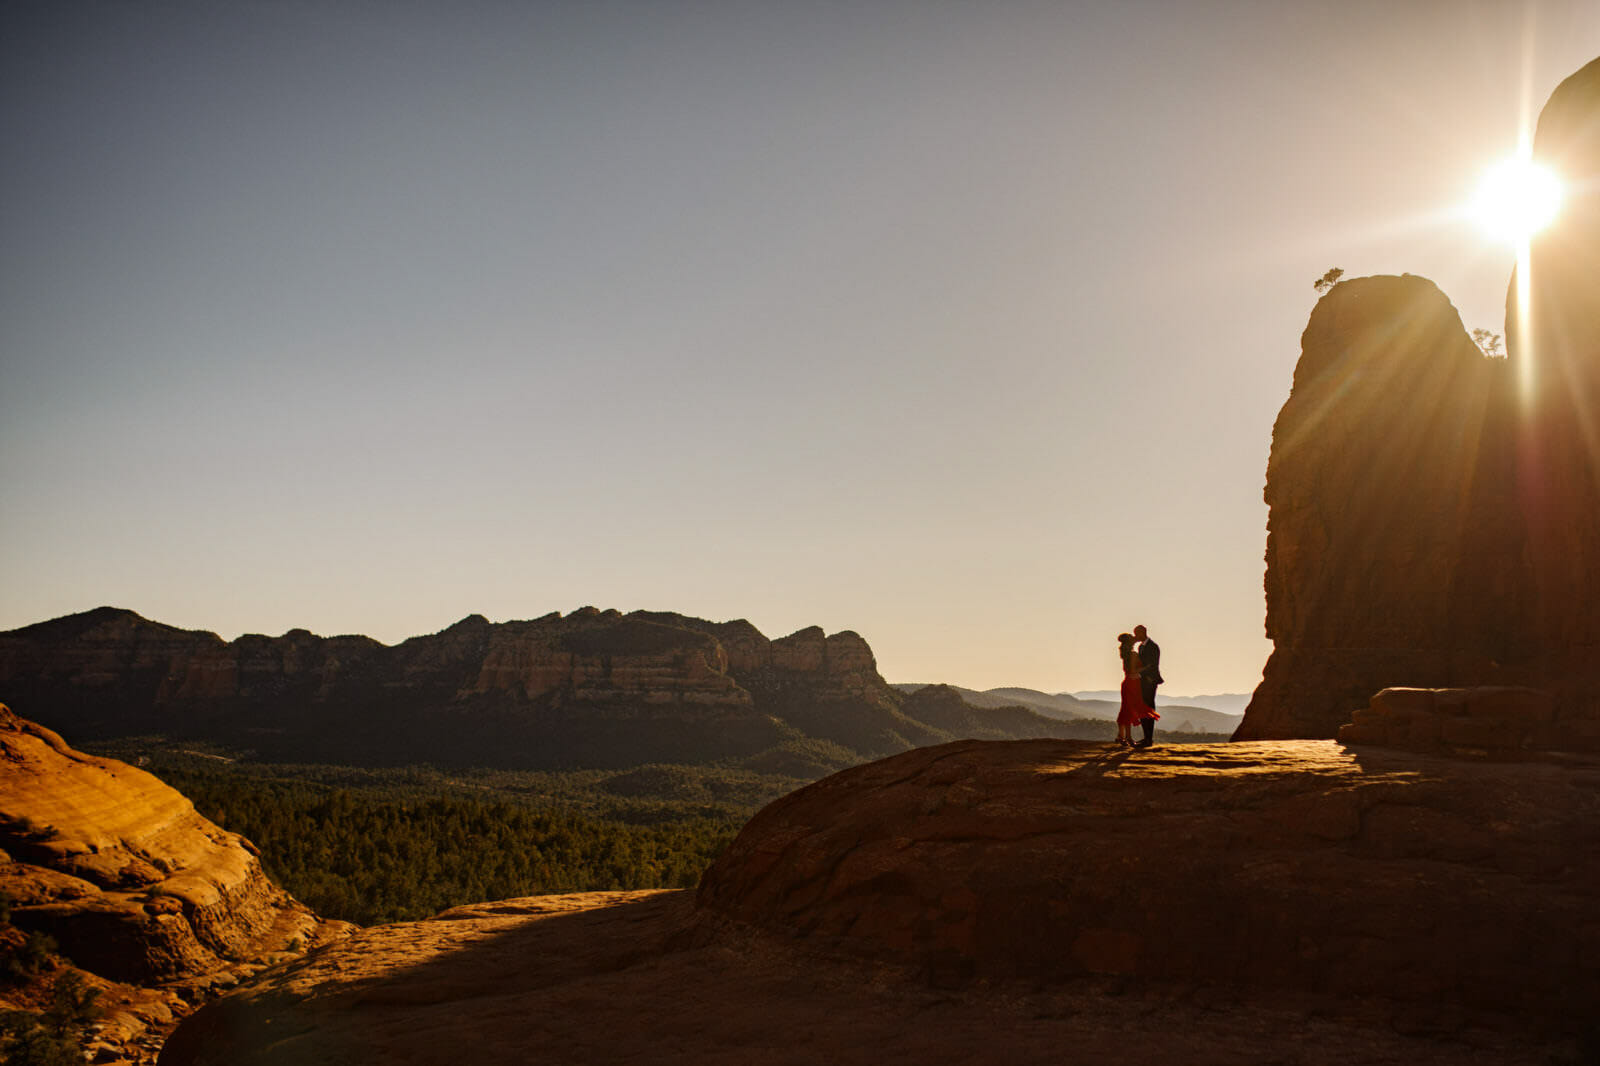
<point>1020,902</point>
<point>1285,867</point>
<point>592,688</point>
<point>130,881</point>
<point>1493,722</point>
<point>1434,513</point>
<point>1370,486</point>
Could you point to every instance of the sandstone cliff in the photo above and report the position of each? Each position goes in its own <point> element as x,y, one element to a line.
<point>135,886</point>
<point>1370,488</point>
<point>591,688</point>
<point>1022,902</point>
<point>1557,348</point>
<point>1435,514</point>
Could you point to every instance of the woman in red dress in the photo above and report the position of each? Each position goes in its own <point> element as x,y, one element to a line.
<point>1134,710</point>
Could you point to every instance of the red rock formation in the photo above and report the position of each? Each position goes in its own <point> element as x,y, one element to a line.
<point>1370,483</point>
<point>591,688</point>
<point>135,886</point>
<point>1297,867</point>
<point>614,659</point>
<point>121,869</point>
<point>1435,516</point>
<point>1557,352</point>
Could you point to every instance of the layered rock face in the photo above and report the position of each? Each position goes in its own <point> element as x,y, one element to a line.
<point>1435,515</point>
<point>121,869</point>
<point>591,688</point>
<point>135,886</point>
<point>1019,902</point>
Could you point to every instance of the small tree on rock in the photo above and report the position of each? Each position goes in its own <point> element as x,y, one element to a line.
<point>54,1036</point>
<point>1328,280</point>
<point>1489,343</point>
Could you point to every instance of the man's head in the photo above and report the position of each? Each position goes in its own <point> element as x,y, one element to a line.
<point>1139,633</point>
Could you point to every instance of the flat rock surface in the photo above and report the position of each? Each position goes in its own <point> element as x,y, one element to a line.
<point>1291,865</point>
<point>610,978</point>
<point>1026,902</point>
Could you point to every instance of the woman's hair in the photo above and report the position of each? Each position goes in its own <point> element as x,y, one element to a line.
<point>1125,645</point>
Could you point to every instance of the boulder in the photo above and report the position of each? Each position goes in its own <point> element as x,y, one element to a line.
<point>1501,721</point>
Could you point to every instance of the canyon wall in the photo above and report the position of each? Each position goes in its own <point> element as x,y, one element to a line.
<point>591,688</point>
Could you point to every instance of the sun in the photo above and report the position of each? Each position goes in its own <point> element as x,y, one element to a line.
<point>1517,199</point>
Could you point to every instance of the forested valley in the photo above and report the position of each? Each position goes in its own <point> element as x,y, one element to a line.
<point>383,845</point>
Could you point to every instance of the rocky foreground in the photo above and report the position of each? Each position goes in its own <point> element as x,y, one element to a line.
<point>1029,901</point>
<point>155,906</point>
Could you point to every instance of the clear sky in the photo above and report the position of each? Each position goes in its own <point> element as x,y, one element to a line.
<point>960,325</point>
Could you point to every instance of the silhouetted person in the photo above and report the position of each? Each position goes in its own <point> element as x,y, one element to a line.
<point>1133,708</point>
<point>1149,653</point>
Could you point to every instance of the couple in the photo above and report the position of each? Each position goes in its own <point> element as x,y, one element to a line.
<point>1141,673</point>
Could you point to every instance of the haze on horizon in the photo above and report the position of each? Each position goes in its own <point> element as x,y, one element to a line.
<point>960,326</point>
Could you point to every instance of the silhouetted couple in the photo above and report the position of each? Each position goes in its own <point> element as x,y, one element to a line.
<point>1141,673</point>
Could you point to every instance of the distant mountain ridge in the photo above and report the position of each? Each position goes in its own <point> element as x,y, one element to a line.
<point>1232,703</point>
<point>1179,713</point>
<point>591,688</point>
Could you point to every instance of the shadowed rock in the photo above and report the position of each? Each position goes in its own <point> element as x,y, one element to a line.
<point>1435,514</point>
<point>1558,347</point>
<point>1023,902</point>
<point>1368,482</point>
<point>1291,866</point>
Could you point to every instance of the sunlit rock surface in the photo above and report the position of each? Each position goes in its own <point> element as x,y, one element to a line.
<point>1021,902</point>
<point>133,884</point>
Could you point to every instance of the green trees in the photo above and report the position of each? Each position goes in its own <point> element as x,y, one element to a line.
<point>369,858</point>
<point>30,957</point>
<point>54,1036</point>
<point>1488,343</point>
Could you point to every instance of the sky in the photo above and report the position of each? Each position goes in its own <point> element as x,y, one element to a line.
<point>959,325</point>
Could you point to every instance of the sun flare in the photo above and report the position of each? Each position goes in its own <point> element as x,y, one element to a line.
<point>1517,199</point>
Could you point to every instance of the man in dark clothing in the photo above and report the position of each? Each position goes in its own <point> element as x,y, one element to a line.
<point>1149,677</point>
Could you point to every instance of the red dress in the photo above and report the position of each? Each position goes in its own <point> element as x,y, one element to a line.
<point>1134,709</point>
